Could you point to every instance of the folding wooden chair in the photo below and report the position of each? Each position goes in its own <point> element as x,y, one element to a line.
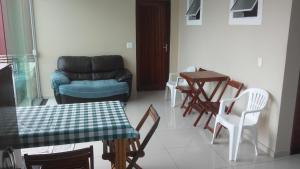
<point>187,91</point>
<point>135,148</point>
<point>83,159</point>
<point>213,107</point>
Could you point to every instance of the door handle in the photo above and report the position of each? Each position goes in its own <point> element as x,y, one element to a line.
<point>166,47</point>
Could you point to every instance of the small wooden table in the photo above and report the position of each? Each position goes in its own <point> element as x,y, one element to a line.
<point>196,81</point>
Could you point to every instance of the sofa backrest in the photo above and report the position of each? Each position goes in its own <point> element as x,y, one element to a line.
<point>90,68</point>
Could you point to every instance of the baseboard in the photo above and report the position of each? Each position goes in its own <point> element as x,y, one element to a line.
<point>261,147</point>
<point>281,154</point>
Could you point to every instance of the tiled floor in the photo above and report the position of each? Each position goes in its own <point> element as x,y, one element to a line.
<point>178,145</point>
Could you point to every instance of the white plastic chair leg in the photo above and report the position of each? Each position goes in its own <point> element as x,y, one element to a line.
<point>238,141</point>
<point>232,142</point>
<point>215,131</point>
<point>173,97</point>
<point>254,134</point>
<point>166,92</point>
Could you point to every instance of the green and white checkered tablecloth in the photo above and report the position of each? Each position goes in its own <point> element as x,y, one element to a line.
<point>73,123</point>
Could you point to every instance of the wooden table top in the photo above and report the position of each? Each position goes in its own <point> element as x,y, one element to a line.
<point>204,76</point>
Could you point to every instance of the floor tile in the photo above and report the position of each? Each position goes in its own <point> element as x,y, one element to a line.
<point>176,144</point>
<point>195,158</point>
<point>246,153</point>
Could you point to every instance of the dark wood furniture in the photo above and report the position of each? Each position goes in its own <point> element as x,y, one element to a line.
<point>7,98</point>
<point>213,107</point>
<point>187,91</point>
<point>78,159</point>
<point>152,43</point>
<point>8,115</point>
<point>135,147</point>
<point>196,81</point>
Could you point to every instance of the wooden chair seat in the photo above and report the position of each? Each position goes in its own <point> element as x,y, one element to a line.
<point>184,89</point>
<point>212,106</point>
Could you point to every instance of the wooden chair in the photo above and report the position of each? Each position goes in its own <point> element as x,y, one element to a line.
<point>213,107</point>
<point>187,91</point>
<point>135,148</point>
<point>83,159</point>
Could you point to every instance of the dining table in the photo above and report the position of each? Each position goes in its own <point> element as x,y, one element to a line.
<point>73,123</point>
<point>196,82</point>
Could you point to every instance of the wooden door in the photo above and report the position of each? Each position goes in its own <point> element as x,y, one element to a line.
<point>295,146</point>
<point>153,37</point>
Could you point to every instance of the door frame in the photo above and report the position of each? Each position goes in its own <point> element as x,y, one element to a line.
<point>138,58</point>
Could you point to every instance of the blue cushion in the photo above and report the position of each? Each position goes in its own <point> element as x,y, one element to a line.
<point>94,89</point>
<point>57,79</point>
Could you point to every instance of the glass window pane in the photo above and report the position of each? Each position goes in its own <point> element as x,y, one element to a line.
<point>243,5</point>
<point>194,8</point>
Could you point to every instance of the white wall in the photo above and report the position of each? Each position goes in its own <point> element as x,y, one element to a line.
<point>233,50</point>
<point>87,28</point>
<point>174,36</point>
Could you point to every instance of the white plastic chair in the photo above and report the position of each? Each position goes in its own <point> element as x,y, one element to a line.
<point>174,81</point>
<point>257,100</point>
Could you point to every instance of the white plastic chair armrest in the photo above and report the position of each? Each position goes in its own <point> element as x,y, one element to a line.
<point>178,80</point>
<point>223,104</point>
<point>245,113</point>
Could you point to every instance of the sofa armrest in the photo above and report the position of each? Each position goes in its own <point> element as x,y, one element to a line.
<point>124,76</point>
<point>58,78</point>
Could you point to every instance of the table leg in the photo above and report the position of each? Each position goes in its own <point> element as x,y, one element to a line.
<point>194,94</point>
<point>120,159</point>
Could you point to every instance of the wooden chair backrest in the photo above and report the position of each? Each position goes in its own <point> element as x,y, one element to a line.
<point>83,159</point>
<point>151,112</point>
<point>236,85</point>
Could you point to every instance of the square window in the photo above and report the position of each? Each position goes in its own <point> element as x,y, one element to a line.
<point>194,12</point>
<point>245,12</point>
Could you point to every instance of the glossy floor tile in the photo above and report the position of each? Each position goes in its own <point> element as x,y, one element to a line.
<point>178,145</point>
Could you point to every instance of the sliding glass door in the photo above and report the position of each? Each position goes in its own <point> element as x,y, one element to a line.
<point>21,50</point>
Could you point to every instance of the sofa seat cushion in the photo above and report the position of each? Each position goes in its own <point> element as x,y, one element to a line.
<point>94,89</point>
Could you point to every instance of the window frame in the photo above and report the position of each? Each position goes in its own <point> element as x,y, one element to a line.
<point>194,22</point>
<point>246,20</point>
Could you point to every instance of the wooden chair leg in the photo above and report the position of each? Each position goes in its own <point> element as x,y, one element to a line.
<point>196,101</point>
<point>184,101</point>
<point>132,163</point>
<point>187,110</point>
<point>199,117</point>
<point>136,166</point>
<point>219,130</point>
